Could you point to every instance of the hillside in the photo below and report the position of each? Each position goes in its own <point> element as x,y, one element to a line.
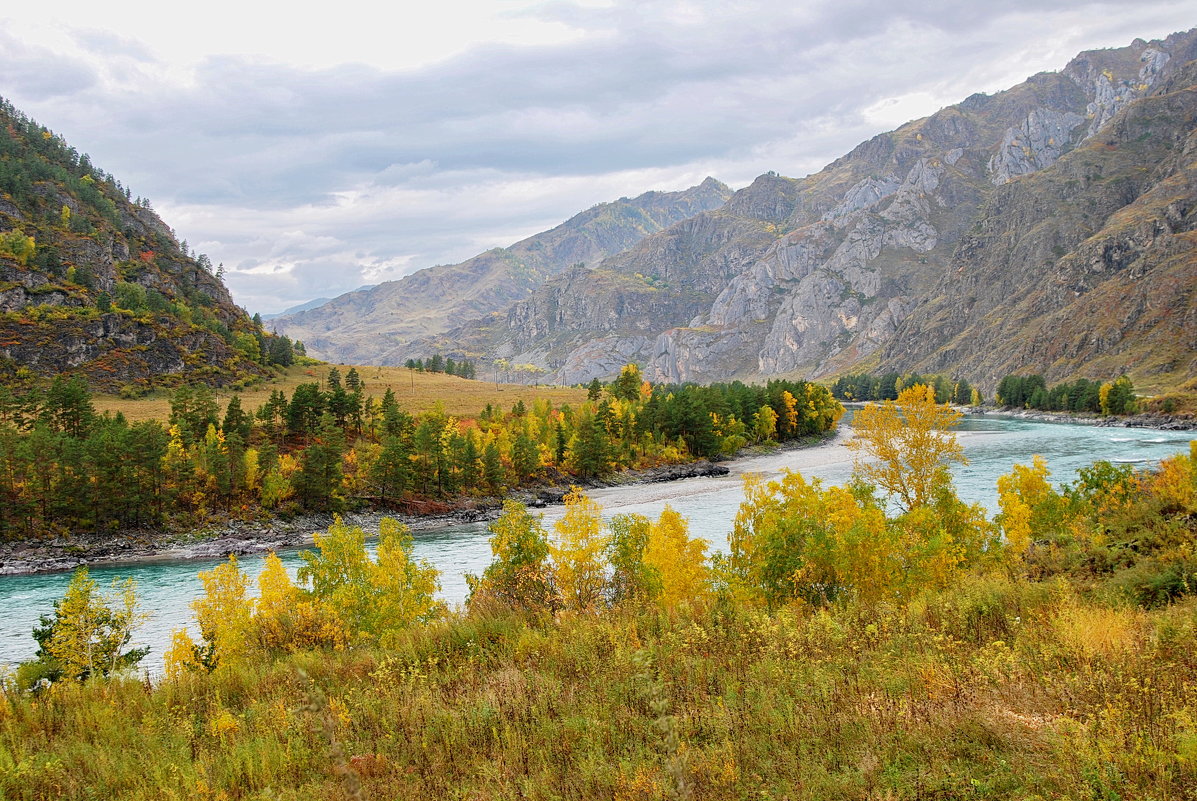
<point>372,326</point>
<point>93,281</point>
<point>872,260</point>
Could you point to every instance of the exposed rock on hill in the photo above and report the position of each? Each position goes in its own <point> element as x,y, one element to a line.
<point>93,282</point>
<point>374,325</point>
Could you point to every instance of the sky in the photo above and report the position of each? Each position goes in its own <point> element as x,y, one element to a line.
<point>312,153</point>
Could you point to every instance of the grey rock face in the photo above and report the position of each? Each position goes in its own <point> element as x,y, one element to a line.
<point>1041,139</point>
<point>814,275</point>
<point>601,358</point>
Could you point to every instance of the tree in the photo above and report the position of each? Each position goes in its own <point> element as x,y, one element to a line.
<point>627,386</point>
<point>519,575</point>
<point>223,614</point>
<point>391,472</point>
<point>632,581</point>
<point>678,560</point>
<point>578,550</point>
<point>1118,397</point>
<point>318,482</point>
<point>794,539</point>
<point>88,633</point>
<point>904,446</point>
<point>369,597</point>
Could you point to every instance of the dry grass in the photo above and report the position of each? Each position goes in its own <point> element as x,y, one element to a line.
<point>415,391</point>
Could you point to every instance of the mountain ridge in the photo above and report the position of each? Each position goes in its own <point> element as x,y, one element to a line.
<point>94,282</point>
<point>374,325</point>
<point>819,275</point>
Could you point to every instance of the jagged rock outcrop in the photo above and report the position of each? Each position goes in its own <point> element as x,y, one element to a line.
<point>857,265</point>
<point>375,325</point>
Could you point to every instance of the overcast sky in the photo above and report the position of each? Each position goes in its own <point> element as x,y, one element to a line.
<point>313,153</point>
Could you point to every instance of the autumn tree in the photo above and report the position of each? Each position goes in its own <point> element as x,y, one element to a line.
<point>519,576</point>
<point>632,581</point>
<point>88,633</point>
<point>224,614</point>
<point>371,597</point>
<point>677,560</point>
<point>904,447</point>
<point>578,551</point>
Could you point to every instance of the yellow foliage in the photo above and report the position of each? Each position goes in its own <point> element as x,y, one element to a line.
<point>577,552</point>
<point>369,598</point>
<point>680,561</point>
<point>1175,483</point>
<point>224,613</point>
<point>181,657</point>
<point>905,446</point>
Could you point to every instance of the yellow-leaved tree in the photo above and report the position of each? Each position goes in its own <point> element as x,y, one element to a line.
<point>796,539</point>
<point>224,615</point>
<point>1029,504</point>
<point>371,597</point>
<point>519,576</point>
<point>904,447</point>
<point>678,560</point>
<point>287,619</point>
<point>90,630</point>
<point>578,552</point>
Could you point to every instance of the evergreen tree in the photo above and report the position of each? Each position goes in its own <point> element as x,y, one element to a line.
<point>317,484</point>
<point>391,473</point>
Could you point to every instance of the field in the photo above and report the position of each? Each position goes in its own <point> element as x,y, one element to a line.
<point>415,391</point>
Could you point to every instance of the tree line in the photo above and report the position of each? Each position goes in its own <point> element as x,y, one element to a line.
<point>442,364</point>
<point>869,387</point>
<point>330,447</point>
<point>1082,395</point>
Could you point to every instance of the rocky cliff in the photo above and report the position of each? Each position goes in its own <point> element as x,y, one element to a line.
<point>94,282</point>
<point>374,325</point>
<point>978,240</point>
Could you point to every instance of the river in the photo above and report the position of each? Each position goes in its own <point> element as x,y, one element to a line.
<point>992,445</point>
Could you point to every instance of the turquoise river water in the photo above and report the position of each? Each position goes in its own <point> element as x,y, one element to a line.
<point>992,444</point>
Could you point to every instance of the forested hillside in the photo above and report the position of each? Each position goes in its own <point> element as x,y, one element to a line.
<point>93,281</point>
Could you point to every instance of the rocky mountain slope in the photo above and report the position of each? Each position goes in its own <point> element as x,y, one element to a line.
<point>374,325</point>
<point>94,282</point>
<point>1045,227</point>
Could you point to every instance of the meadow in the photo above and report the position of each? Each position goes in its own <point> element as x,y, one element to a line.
<point>416,392</point>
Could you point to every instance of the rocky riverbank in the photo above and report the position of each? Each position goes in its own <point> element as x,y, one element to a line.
<point>1164,422</point>
<point>246,537</point>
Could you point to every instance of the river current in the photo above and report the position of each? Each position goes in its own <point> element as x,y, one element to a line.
<point>992,445</point>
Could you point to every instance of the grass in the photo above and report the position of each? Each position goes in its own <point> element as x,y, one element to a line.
<point>415,391</point>
<point>997,688</point>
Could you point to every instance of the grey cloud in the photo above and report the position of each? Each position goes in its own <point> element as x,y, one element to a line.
<point>266,148</point>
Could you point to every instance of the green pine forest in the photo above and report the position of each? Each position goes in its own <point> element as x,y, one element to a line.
<point>329,447</point>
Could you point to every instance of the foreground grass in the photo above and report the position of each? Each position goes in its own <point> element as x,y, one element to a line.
<point>416,392</point>
<point>998,688</point>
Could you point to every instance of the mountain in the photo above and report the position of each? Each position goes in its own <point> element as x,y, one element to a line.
<point>1045,227</point>
<point>373,326</point>
<point>96,283</point>
<point>311,304</point>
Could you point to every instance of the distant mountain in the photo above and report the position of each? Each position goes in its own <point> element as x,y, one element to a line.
<point>1049,227</point>
<point>94,282</point>
<point>311,304</point>
<point>373,326</point>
